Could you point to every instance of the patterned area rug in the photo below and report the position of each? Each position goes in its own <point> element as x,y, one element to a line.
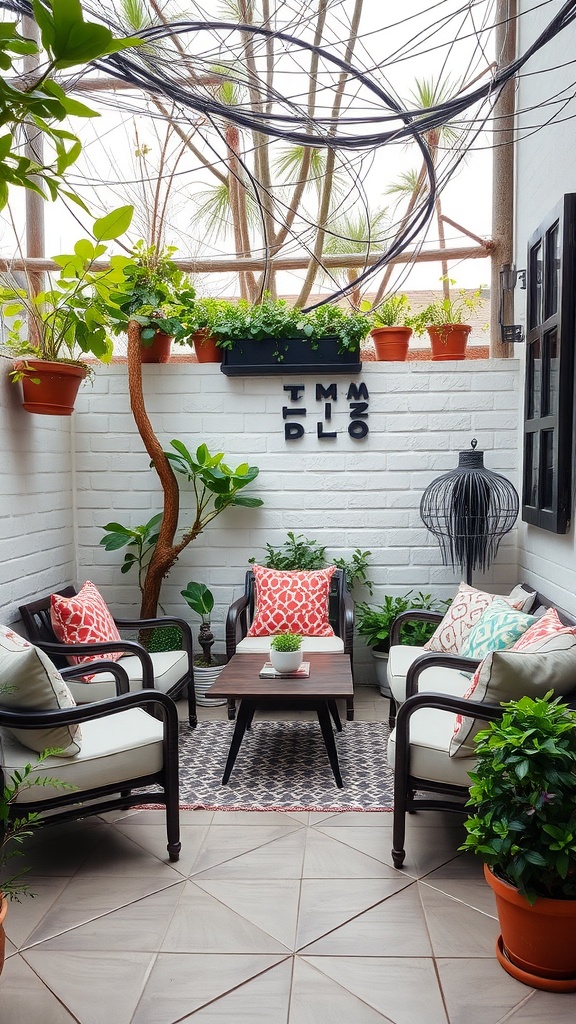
<point>284,766</point>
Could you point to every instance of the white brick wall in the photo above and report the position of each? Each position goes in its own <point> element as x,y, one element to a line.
<point>345,493</point>
<point>544,172</point>
<point>37,551</point>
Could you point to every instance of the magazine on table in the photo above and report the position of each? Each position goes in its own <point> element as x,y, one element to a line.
<point>269,672</point>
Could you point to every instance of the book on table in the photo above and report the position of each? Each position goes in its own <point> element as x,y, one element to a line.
<point>269,672</point>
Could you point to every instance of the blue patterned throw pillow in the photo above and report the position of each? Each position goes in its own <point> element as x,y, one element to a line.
<point>499,627</point>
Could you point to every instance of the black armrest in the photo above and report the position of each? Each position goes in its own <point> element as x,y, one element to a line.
<point>145,699</point>
<point>236,616</point>
<point>164,620</point>
<point>346,620</point>
<point>120,674</point>
<point>411,615</point>
<point>443,702</point>
<point>434,660</point>
<point>105,647</point>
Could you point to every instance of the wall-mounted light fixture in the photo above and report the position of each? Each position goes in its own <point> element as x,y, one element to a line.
<point>509,277</point>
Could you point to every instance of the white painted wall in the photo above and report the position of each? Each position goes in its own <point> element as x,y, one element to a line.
<point>343,492</point>
<point>544,172</point>
<point>37,550</point>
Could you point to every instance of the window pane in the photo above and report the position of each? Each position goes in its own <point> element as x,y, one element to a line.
<point>547,467</point>
<point>550,374</point>
<point>535,312</point>
<point>531,471</point>
<point>552,270</point>
<point>534,370</point>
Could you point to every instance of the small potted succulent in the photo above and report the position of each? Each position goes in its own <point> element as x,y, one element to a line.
<point>523,826</point>
<point>286,651</point>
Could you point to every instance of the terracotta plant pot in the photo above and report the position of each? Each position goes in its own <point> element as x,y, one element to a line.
<point>449,341</point>
<point>56,391</point>
<point>3,909</point>
<point>206,348</point>
<point>158,351</point>
<point>391,343</point>
<point>538,943</point>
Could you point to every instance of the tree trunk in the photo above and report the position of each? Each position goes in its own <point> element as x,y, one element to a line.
<point>165,553</point>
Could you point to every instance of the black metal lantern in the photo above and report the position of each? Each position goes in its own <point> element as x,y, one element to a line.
<point>469,510</point>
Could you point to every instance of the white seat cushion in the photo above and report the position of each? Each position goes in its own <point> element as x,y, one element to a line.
<point>310,644</point>
<point>169,667</point>
<point>117,748</point>
<point>431,732</point>
<point>432,680</point>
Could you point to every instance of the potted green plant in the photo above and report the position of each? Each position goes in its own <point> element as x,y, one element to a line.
<point>445,321</point>
<point>51,329</point>
<point>392,327</point>
<point>13,832</point>
<point>286,651</point>
<point>202,317</point>
<point>523,826</point>
<point>157,295</point>
<point>300,552</point>
<point>214,488</point>
<point>207,666</point>
<point>273,337</point>
<point>373,622</point>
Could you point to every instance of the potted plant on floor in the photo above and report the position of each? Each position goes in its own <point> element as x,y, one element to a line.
<point>392,327</point>
<point>373,622</point>
<point>207,666</point>
<point>524,828</point>
<point>51,329</point>
<point>158,296</point>
<point>286,651</point>
<point>445,321</point>
<point>273,337</point>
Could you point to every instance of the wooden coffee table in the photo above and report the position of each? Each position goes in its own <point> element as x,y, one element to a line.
<point>330,680</point>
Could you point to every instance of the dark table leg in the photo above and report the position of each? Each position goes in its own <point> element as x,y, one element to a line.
<point>245,715</point>
<point>231,709</point>
<point>326,727</point>
<point>333,708</point>
<point>349,709</point>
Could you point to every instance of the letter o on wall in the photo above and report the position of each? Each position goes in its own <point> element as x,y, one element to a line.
<point>358,429</point>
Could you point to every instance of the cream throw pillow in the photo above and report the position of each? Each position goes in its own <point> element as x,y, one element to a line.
<point>30,682</point>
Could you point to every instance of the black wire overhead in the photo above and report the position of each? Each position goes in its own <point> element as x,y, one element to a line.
<point>383,122</point>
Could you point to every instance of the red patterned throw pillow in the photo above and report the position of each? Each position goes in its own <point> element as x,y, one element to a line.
<point>292,601</point>
<point>548,625</point>
<point>84,619</point>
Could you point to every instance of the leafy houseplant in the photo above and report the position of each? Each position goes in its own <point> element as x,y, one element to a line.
<point>63,322</point>
<point>299,552</point>
<point>524,827</point>
<point>374,623</point>
<point>286,651</point>
<point>207,666</point>
<point>445,321</point>
<point>14,831</point>
<point>214,486</point>
<point>392,325</point>
<point>155,293</point>
<point>275,331</point>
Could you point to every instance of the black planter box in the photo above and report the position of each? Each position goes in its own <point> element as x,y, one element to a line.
<point>255,358</point>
